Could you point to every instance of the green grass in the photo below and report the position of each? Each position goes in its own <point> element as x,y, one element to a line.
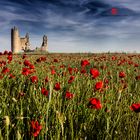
<point>63,119</point>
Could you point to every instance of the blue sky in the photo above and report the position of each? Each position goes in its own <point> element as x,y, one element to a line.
<point>73,25</point>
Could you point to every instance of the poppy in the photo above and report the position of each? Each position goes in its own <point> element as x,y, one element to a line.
<point>9,53</point>
<point>94,103</point>
<point>34,79</point>
<point>136,65</point>
<point>27,63</point>
<point>44,91</point>
<point>9,57</point>
<point>5,52</point>
<point>71,79</point>
<point>53,71</point>
<point>46,79</point>
<point>83,71</point>
<point>2,63</point>
<point>1,76</point>
<point>69,95</point>
<point>135,107</point>
<point>122,74</point>
<point>43,58</point>
<point>138,77</point>
<point>70,70</point>
<point>24,56</point>
<point>57,86</point>
<point>114,57</point>
<point>26,71</point>
<point>36,128</point>
<point>5,70</point>
<point>99,85</point>
<point>55,60</point>
<point>11,76</point>
<point>84,63</point>
<point>94,72</point>
<point>31,66</point>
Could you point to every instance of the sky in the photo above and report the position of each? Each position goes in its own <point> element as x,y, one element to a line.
<point>73,25</point>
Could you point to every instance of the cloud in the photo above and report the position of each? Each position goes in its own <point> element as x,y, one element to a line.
<point>71,23</point>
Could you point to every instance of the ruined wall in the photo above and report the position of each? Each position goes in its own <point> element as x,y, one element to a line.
<point>44,46</point>
<point>23,42</point>
<point>17,43</point>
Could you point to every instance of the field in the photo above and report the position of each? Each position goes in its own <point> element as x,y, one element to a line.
<point>70,96</point>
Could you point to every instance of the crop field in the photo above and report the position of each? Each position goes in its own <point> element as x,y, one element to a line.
<point>70,96</point>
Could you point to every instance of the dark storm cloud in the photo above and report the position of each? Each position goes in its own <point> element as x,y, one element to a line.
<point>80,19</point>
<point>60,13</point>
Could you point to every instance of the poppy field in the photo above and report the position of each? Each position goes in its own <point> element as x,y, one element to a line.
<point>70,96</point>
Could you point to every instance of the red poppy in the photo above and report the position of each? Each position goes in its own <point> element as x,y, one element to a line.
<point>138,77</point>
<point>34,79</point>
<point>5,70</point>
<point>21,94</point>
<point>114,57</point>
<point>135,107</point>
<point>46,79</point>
<point>55,60</point>
<point>11,76</point>
<point>26,71</point>
<point>5,52</point>
<point>136,65</point>
<point>106,81</point>
<point>9,57</point>
<point>36,128</point>
<point>94,103</point>
<point>99,85</point>
<point>2,63</point>
<point>53,71</point>
<point>1,76</point>
<point>84,63</point>
<point>75,70</point>
<point>70,70</point>
<point>94,72</point>
<point>71,79</point>
<point>69,95</point>
<point>44,91</point>
<point>38,60</point>
<point>31,66</point>
<point>41,59</point>
<point>27,63</point>
<point>83,71</point>
<point>122,74</point>
<point>9,53</point>
<point>62,66</point>
<point>57,86</point>
<point>24,56</point>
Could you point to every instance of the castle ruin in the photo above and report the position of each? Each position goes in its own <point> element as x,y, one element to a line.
<point>23,43</point>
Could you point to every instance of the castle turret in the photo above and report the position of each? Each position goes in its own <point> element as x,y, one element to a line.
<point>44,46</point>
<point>15,43</point>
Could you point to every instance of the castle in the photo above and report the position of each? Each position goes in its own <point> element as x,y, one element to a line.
<point>23,43</point>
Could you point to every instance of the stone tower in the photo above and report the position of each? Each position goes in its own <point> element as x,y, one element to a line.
<point>17,43</point>
<point>15,40</point>
<point>44,46</point>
